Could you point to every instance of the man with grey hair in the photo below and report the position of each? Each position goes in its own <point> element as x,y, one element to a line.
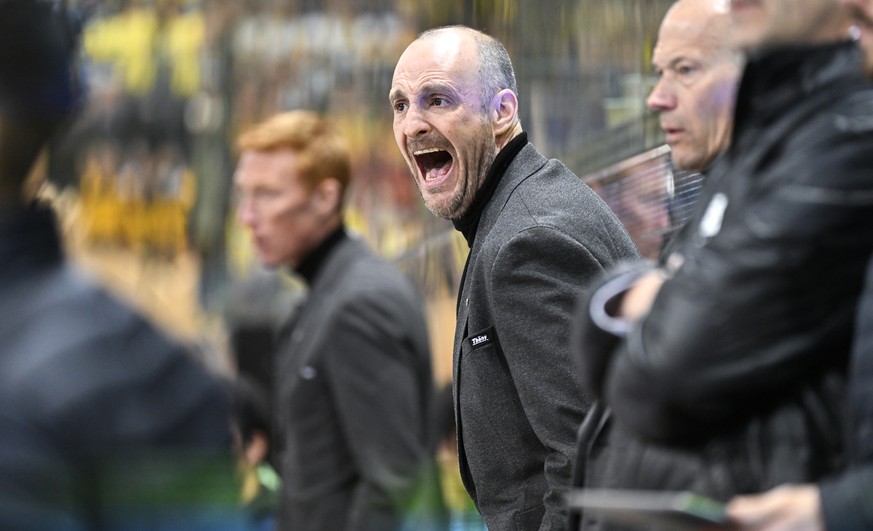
<point>537,235</point>
<point>698,70</point>
<point>726,374</point>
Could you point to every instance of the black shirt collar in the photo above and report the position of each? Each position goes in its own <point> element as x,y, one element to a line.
<point>469,222</point>
<point>310,265</point>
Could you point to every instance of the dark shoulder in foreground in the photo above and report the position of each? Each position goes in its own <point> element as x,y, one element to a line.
<point>91,367</point>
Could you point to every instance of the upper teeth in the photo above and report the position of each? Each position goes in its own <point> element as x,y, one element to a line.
<point>426,151</point>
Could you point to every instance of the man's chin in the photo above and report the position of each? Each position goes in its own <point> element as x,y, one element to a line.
<point>684,161</point>
<point>439,212</point>
<point>436,205</point>
<point>268,263</point>
<point>444,211</point>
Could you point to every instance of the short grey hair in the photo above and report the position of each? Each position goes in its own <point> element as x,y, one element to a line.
<point>496,72</point>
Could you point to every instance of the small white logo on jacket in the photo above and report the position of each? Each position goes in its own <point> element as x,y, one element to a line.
<point>710,225</point>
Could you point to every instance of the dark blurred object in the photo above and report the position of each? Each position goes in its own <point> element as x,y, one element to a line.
<point>253,346</point>
<point>52,91</point>
<point>257,305</point>
<point>106,423</point>
<point>260,483</point>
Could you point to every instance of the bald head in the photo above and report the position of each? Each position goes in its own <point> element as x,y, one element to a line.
<point>455,107</point>
<point>495,67</point>
<point>698,70</point>
<point>705,24</point>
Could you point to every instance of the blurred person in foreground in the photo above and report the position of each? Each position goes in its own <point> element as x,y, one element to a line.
<point>725,367</point>
<point>353,369</point>
<point>537,235</point>
<point>843,502</point>
<point>698,70</point>
<point>104,423</point>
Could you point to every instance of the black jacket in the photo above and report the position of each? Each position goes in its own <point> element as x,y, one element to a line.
<point>354,393</point>
<point>104,423</point>
<point>733,382</point>
<point>846,499</point>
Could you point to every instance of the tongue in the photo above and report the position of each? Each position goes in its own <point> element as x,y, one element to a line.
<point>440,170</point>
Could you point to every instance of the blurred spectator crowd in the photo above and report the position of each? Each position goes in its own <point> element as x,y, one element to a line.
<point>171,83</point>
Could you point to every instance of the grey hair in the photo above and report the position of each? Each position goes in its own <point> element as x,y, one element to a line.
<point>496,72</point>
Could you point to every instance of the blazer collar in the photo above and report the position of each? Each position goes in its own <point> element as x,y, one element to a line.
<point>468,224</point>
<point>528,161</point>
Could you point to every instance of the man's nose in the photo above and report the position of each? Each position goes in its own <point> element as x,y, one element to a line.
<point>245,212</point>
<point>661,98</point>
<point>414,122</point>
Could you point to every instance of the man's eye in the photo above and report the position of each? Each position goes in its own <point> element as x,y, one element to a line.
<point>439,102</point>
<point>400,106</point>
<point>685,70</point>
<point>265,195</point>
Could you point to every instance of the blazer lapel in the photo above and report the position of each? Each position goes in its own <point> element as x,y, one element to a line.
<point>318,301</point>
<point>525,164</point>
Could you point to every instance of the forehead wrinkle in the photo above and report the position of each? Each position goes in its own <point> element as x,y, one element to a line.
<point>693,54</point>
<point>396,94</point>
<point>434,83</point>
<point>449,89</point>
<point>683,39</point>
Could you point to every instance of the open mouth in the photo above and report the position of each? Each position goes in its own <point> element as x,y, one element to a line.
<point>671,133</point>
<point>433,163</point>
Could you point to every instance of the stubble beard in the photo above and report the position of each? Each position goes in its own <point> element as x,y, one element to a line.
<point>468,183</point>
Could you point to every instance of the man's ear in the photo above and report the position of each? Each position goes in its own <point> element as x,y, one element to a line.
<point>504,112</point>
<point>327,197</point>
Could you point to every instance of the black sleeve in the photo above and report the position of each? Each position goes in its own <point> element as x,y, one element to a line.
<point>845,500</point>
<point>765,303</point>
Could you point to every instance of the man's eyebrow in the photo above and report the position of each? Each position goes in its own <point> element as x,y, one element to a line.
<point>673,61</point>
<point>396,94</point>
<point>438,88</point>
<point>683,58</point>
<point>424,90</point>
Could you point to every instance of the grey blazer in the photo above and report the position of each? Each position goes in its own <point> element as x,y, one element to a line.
<point>354,388</point>
<point>518,401</point>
